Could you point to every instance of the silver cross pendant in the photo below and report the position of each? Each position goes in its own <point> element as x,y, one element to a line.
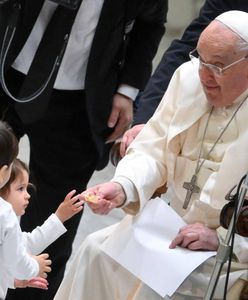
<point>191,188</point>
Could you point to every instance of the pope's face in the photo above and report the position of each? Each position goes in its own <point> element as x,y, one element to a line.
<point>218,46</point>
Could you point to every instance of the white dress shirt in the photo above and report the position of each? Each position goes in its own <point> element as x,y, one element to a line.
<point>72,71</point>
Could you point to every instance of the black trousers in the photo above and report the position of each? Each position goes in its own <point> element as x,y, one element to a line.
<point>62,157</point>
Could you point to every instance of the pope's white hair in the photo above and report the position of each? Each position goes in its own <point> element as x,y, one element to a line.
<point>242,45</point>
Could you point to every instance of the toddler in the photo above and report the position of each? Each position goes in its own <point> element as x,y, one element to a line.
<point>14,259</point>
<point>15,192</point>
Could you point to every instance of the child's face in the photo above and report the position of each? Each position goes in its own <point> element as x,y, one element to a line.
<point>18,195</point>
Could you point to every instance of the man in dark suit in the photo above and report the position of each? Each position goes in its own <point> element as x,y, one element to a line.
<point>108,59</point>
<point>174,56</point>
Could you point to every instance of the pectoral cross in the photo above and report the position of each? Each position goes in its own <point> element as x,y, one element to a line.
<point>191,188</point>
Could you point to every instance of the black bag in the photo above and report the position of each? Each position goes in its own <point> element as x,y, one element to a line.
<point>71,4</point>
<point>10,11</point>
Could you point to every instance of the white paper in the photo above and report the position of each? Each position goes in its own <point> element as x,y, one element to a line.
<point>141,245</point>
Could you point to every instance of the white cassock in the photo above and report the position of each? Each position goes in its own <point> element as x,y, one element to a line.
<point>167,150</point>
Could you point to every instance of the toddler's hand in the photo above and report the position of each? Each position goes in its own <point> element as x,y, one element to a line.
<point>37,282</point>
<point>69,207</point>
<point>44,264</point>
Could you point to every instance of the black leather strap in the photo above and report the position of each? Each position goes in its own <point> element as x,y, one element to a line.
<point>48,57</point>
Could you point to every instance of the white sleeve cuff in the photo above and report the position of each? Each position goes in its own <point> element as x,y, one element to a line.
<point>129,189</point>
<point>59,225</point>
<point>128,91</point>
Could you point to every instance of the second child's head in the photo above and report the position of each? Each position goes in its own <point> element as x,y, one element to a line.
<point>15,190</point>
<point>8,152</point>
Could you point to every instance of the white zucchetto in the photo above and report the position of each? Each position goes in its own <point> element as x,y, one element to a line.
<point>237,21</point>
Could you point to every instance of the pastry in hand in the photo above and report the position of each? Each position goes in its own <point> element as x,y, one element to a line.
<point>90,197</point>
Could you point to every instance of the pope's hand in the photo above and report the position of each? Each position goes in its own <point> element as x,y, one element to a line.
<point>196,236</point>
<point>104,197</point>
<point>128,137</point>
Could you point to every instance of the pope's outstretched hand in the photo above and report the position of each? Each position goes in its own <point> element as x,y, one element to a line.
<point>104,197</point>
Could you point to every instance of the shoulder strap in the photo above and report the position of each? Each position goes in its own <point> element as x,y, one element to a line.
<point>71,4</point>
<point>7,41</point>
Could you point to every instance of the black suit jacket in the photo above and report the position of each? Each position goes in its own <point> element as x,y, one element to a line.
<point>178,53</point>
<point>112,61</point>
<point>104,72</point>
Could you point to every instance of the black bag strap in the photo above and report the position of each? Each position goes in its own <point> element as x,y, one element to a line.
<point>7,40</point>
<point>71,4</point>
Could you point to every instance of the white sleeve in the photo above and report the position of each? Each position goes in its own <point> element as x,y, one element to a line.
<point>18,263</point>
<point>143,169</point>
<point>42,236</point>
<point>128,91</point>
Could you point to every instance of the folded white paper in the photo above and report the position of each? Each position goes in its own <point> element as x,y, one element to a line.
<point>141,245</point>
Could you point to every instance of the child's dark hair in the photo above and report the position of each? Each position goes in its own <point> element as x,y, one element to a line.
<point>8,145</point>
<point>17,168</point>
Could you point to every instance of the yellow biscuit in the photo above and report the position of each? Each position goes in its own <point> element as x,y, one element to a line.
<point>89,197</point>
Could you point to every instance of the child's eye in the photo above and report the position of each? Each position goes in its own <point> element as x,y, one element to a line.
<point>21,188</point>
